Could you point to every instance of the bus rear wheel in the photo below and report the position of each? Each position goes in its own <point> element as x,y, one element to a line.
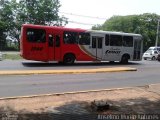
<point>69,59</point>
<point>124,59</point>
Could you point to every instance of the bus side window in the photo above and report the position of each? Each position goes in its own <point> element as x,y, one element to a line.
<point>50,40</point>
<point>128,41</point>
<point>107,40</point>
<point>70,37</point>
<point>115,40</point>
<point>57,40</point>
<point>36,35</point>
<point>99,42</point>
<point>84,38</point>
<point>93,42</point>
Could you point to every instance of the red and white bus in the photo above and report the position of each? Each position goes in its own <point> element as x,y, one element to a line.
<point>50,43</point>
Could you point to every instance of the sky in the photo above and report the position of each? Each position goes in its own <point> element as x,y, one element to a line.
<point>86,13</point>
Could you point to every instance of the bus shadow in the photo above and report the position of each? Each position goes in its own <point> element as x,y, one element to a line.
<point>77,64</point>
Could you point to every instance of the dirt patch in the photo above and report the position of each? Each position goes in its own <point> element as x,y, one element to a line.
<point>132,101</point>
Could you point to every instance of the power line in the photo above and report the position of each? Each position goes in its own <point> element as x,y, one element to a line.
<point>81,23</point>
<point>83,16</point>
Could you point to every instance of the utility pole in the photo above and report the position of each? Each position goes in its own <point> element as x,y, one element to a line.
<point>156,44</point>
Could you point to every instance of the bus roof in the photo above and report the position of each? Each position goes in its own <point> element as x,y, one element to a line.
<point>113,33</point>
<point>53,27</point>
<point>80,30</point>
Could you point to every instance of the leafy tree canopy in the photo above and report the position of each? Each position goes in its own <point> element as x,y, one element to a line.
<point>144,24</point>
<point>42,12</point>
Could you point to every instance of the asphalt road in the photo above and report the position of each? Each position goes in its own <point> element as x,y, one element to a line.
<point>147,73</point>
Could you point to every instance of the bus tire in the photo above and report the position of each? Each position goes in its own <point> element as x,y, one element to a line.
<point>69,59</point>
<point>124,59</point>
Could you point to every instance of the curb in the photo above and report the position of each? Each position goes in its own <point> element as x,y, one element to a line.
<point>73,71</point>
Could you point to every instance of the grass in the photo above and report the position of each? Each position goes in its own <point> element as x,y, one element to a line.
<point>12,56</point>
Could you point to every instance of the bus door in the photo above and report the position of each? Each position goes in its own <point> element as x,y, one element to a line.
<point>97,46</point>
<point>54,47</point>
<point>137,48</point>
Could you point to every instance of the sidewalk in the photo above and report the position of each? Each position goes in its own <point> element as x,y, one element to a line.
<point>135,100</point>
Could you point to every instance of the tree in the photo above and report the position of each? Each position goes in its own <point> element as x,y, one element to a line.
<point>6,20</point>
<point>42,12</point>
<point>2,37</point>
<point>145,24</point>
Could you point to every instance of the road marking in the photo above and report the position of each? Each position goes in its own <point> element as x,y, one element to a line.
<point>72,71</point>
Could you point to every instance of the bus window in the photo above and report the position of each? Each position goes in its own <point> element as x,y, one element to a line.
<point>128,41</point>
<point>93,42</point>
<point>50,38</point>
<point>100,42</point>
<point>107,40</point>
<point>57,40</point>
<point>84,38</point>
<point>70,37</point>
<point>115,40</point>
<point>36,35</point>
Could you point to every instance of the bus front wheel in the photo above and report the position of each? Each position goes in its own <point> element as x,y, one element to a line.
<point>69,59</point>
